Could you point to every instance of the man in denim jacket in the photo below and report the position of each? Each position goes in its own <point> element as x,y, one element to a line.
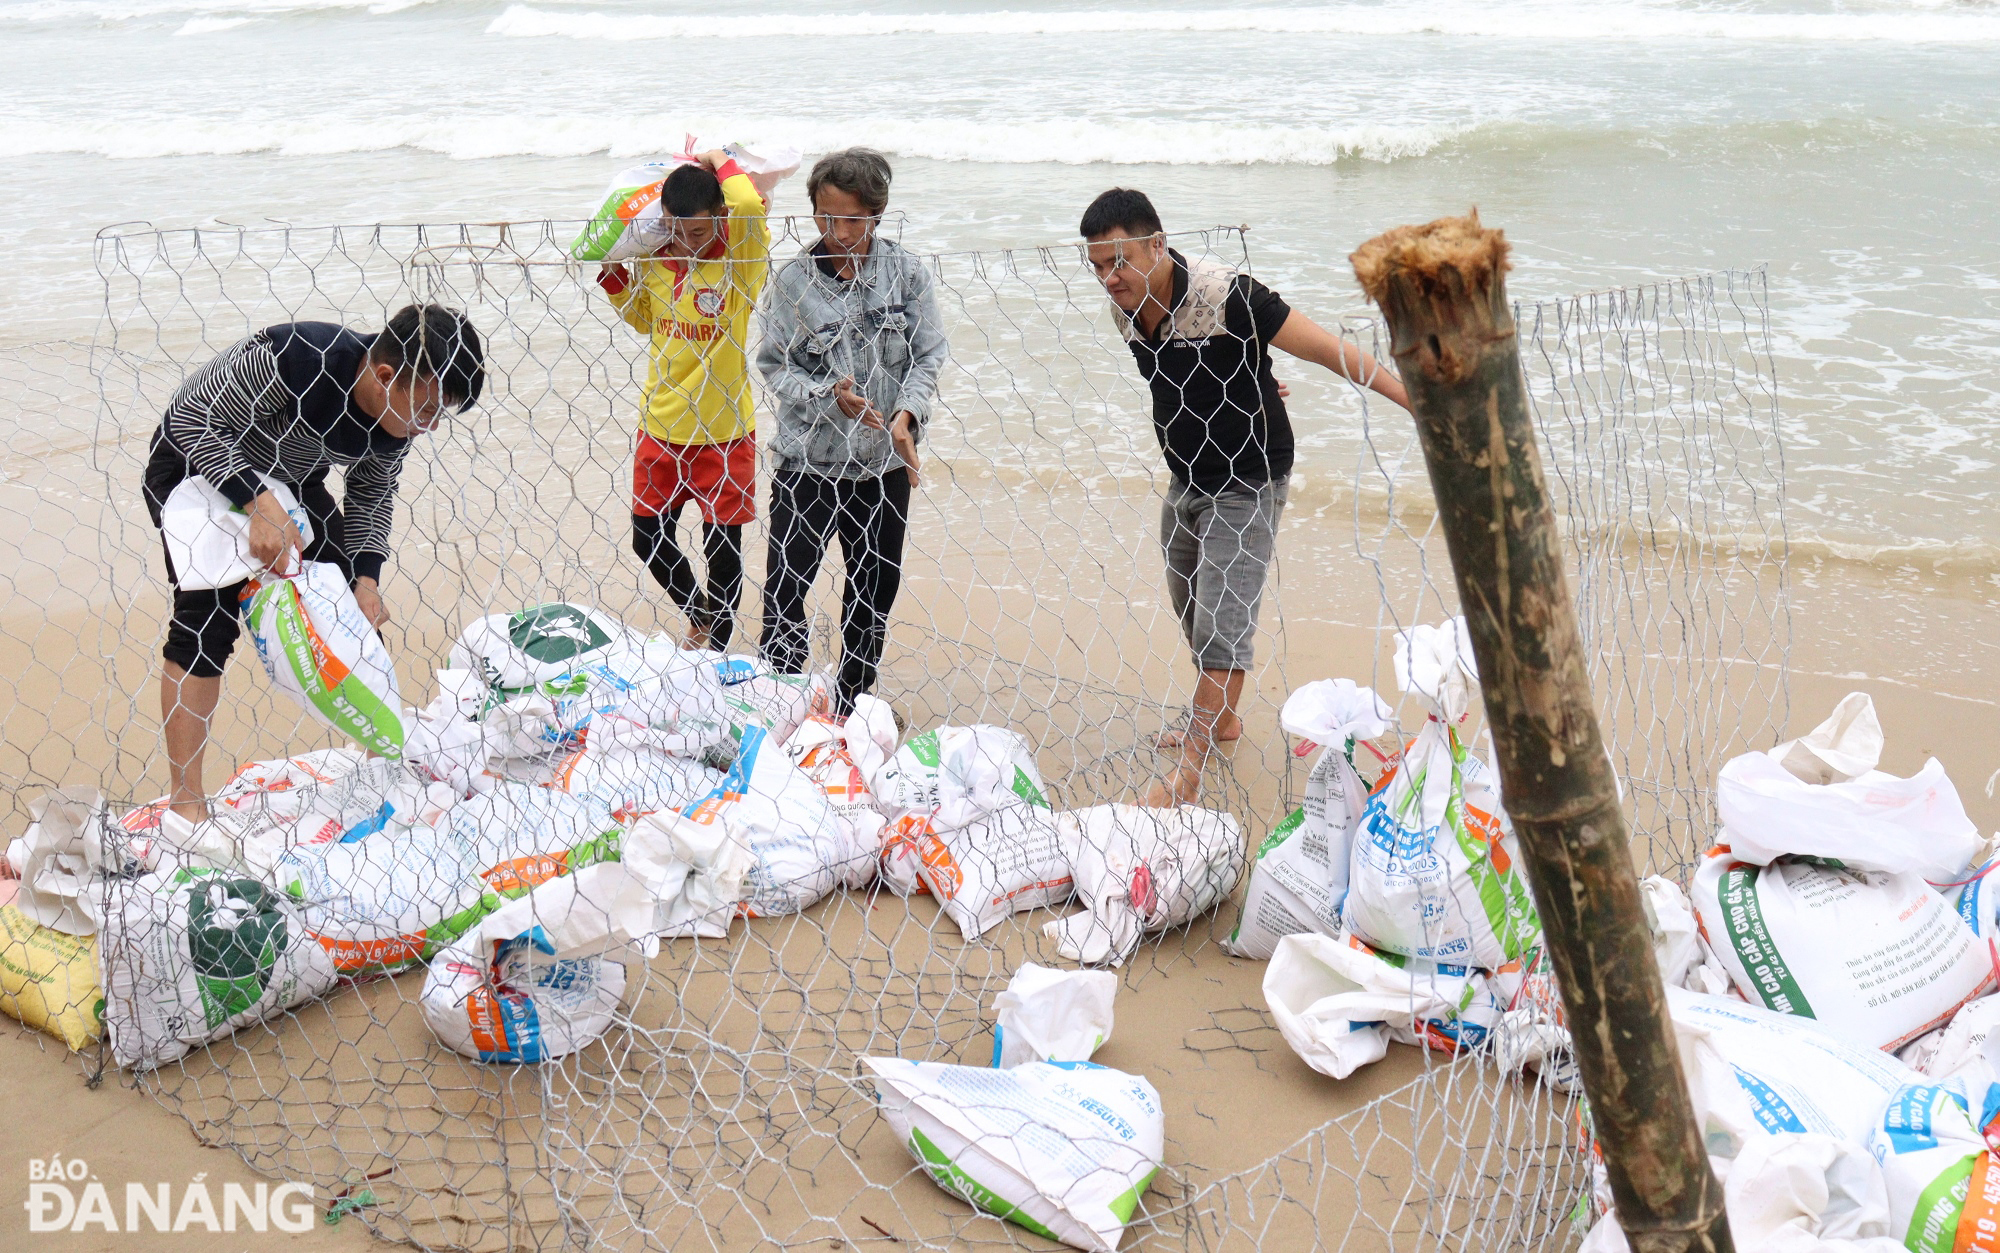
<point>851,352</point>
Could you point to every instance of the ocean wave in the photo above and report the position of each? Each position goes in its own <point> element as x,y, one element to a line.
<point>212,25</point>
<point>470,138</point>
<point>1563,20</point>
<point>44,12</point>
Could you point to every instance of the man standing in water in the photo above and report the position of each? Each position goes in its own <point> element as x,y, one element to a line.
<point>698,434</point>
<point>1202,334</point>
<point>283,407</point>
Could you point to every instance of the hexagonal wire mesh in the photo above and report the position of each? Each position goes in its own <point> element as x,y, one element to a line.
<point>722,1108</point>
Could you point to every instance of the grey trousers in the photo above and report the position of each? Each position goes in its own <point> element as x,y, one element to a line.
<point>1218,548</point>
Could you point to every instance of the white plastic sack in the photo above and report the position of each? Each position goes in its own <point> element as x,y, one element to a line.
<point>819,748</point>
<point>1012,861</point>
<point>628,221</point>
<point>1879,958</point>
<point>1943,1182</point>
<point>956,775</point>
<point>752,694</point>
<point>634,781</point>
<point>1872,821</point>
<point>1680,950</point>
<point>1436,873</point>
<point>192,956</point>
<point>803,850</point>
<point>872,742</point>
<point>320,650</point>
<point>1959,1049</point>
<point>1048,1015</point>
<point>60,858</point>
<point>1299,878</point>
<point>1065,1151</point>
<point>1791,1193</point>
<point>208,538</point>
<point>1752,1072</point>
<point>1142,870</point>
<point>1339,1003</point>
<point>531,983</point>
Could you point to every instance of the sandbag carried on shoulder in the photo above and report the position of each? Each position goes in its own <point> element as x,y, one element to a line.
<point>319,649</point>
<point>628,221</point>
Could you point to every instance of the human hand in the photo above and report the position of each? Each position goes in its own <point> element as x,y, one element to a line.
<point>275,540</point>
<point>714,158</point>
<point>903,434</point>
<point>368,595</point>
<point>1284,390</point>
<point>855,405</point>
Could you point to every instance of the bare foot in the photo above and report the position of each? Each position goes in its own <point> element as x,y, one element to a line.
<point>1229,727</point>
<point>1181,786</point>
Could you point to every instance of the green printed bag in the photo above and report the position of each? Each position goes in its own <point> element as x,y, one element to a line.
<point>320,650</point>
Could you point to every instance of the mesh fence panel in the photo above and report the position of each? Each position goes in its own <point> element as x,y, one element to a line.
<point>725,1106</point>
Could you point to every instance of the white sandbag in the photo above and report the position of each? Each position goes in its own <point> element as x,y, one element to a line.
<point>694,873</point>
<point>530,982</point>
<point>633,781</point>
<point>996,867</point>
<point>872,742</point>
<point>1679,948</point>
<point>60,858</point>
<point>208,536</point>
<point>516,654</point>
<point>1871,821</point>
<point>1792,1193</point>
<point>1140,870</point>
<point>319,649</point>
<point>1339,1003</point>
<point>1943,1182</point>
<point>1752,1072</point>
<point>1436,874</point>
<point>1049,1015</point>
<point>1959,1048</point>
<point>1299,878</point>
<point>192,956</point>
<point>752,694</point>
<point>803,850</point>
<point>1065,1151</point>
<point>628,221</point>
<point>901,858</point>
<point>958,775</point>
<point>1879,958</point>
<point>819,749</point>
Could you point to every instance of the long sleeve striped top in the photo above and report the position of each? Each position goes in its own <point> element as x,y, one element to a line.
<point>279,403</point>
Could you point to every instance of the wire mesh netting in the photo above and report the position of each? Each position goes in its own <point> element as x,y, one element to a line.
<point>718,1099</point>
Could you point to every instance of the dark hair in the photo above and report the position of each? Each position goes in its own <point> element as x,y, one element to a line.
<point>862,173</point>
<point>692,189</point>
<point>1121,208</point>
<point>433,342</point>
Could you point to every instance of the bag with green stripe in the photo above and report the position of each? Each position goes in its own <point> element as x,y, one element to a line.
<point>1064,1149</point>
<point>1944,1185</point>
<point>1879,958</point>
<point>1436,873</point>
<point>320,650</point>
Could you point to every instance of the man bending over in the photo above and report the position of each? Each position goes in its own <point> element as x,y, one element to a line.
<point>1202,334</point>
<point>286,405</point>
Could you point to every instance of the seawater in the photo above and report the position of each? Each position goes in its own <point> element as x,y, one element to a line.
<point>1853,148</point>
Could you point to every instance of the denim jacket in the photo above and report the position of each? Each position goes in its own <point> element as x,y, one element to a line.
<point>881,329</point>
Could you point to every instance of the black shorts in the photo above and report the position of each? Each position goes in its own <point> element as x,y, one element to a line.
<point>203,629</point>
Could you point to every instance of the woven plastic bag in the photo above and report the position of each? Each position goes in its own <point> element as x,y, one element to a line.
<point>319,649</point>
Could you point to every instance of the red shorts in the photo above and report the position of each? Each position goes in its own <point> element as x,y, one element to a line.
<point>721,478</point>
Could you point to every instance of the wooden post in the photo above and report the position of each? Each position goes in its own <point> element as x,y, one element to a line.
<point>1442,290</point>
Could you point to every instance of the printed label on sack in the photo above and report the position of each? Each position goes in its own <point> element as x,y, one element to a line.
<point>1934,1222</point>
<point>945,1173</point>
<point>555,632</point>
<point>1979,1221</point>
<point>235,935</point>
<point>327,682</point>
<point>1750,937</point>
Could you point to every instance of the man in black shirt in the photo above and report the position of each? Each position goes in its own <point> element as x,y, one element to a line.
<point>285,406</point>
<point>1202,333</point>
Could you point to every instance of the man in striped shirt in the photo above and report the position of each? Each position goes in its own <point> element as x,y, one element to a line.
<point>285,406</point>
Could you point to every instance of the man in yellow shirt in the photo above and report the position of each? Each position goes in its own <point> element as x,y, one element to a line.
<point>698,437</point>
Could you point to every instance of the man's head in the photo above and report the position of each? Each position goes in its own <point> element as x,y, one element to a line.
<point>849,190</point>
<point>427,360</point>
<point>691,201</point>
<point>1128,247</point>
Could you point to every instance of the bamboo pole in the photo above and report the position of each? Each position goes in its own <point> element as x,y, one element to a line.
<point>1442,291</point>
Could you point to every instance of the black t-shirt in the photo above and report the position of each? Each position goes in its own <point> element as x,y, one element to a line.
<point>1216,407</point>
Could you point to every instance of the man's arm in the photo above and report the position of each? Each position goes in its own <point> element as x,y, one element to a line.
<point>929,350</point>
<point>1306,339</point>
<point>218,408</point>
<point>749,231</point>
<point>777,359</point>
<point>367,513</point>
<point>626,285</point>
